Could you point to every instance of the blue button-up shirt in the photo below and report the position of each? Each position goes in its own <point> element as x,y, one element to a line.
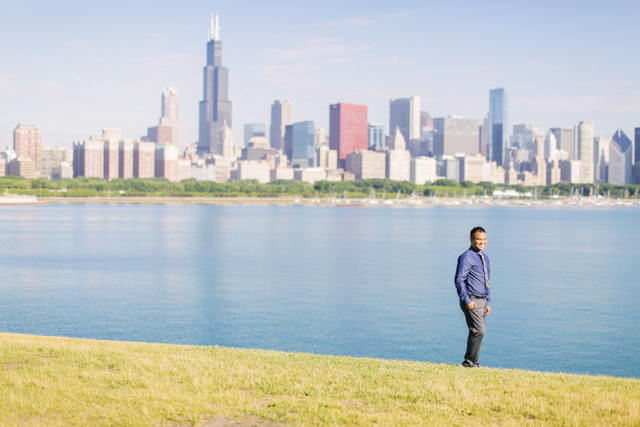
<point>470,276</point>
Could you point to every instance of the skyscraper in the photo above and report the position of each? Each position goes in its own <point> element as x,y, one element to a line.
<point>281,117</point>
<point>404,114</point>
<point>376,137</point>
<point>455,134</point>
<point>348,130</point>
<point>27,143</point>
<point>565,140</point>
<point>637,146</point>
<point>498,129</point>
<point>584,150</point>
<point>215,107</point>
<point>254,129</point>
<point>171,127</point>
<point>600,158</point>
<point>620,159</point>
<point>303,153</point>
<point>88,158</point>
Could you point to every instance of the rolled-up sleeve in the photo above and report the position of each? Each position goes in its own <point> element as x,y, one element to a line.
<point>462,271</point>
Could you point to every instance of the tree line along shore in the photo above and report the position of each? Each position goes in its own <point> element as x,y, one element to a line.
<point>378,188</point>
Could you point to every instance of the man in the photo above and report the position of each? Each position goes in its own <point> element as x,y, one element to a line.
<point>472,283</point>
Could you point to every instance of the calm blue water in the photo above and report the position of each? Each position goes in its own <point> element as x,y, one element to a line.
<point>359,281</point>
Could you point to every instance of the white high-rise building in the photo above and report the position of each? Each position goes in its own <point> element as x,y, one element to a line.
<point>550,147</point>
<point>226,149</point>
<point>584,150</point>
<point>320,138</point>
<point>423,169</point>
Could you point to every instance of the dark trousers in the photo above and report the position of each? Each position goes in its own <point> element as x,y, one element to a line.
<point>475,322</point>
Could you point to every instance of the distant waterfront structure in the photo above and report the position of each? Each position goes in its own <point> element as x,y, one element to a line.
<point>377,141</point>
<point>303,136</point>
<point>125,158</point>
<point>637,146</point>
<point>22,166</point>
<point>584,150</point>
<point>27,143</point>
<point>405,115</point>
<point>525,135</point>
<point>88,158</point>
<point>600,158</point>
<point>565,140</point>
<point>472,168</point>
<point>348,130</point>
<point>166,158</point>
<point>309,175</point>
<point>326,158</point>
<point>483,138</point>
<point>620,159</point>
<point>287,144</point>
<point>398,161</point>
<point>550,146</point>
<point>171,127</point>
<point>426,134</point>
<point>455,134</point>
<point>52,157</point>
<point>254,129</point>
<point>63,171</point>
<point>365,164</point>
<point>144,159</point>
<point>281,117</point>
<point>225,146</point>
<point>320,138</point>
<point>111,159</point>
<point>423,169</point>
<point>448,167</point>
<point>215,107</point>
<point>498,128</point>
<point>254,169</point>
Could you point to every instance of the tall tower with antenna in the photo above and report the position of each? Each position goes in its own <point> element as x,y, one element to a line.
<point>215,107</point>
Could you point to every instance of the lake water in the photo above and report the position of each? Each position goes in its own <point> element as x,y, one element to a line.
<point>358,281</point>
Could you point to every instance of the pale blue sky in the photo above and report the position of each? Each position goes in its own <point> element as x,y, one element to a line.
<point>74,67</point>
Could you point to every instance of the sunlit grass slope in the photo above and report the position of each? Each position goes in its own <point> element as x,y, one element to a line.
<point>59,381</point>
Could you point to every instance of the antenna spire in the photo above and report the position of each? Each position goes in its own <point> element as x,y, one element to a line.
<point>214,30</point>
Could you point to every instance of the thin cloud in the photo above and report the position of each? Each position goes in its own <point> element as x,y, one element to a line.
<point>5,79</point>
<point>312,49</point>
<point>597,104</point>
<point>73,43</point>
<point>475,70</point>
<point>356,21</point>
<point>405,14</point>
<point>396,61</point>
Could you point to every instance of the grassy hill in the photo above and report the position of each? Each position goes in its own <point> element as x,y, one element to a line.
<point>48,381</point>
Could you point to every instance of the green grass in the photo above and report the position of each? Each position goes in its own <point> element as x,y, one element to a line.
<point>59,381</point>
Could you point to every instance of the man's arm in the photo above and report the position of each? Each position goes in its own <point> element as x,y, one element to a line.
<point>488,310</point>
<point>462,270</point>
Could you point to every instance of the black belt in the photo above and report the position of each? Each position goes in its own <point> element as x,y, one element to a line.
<point>477,297</point>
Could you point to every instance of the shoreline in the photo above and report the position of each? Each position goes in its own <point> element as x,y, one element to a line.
<point>421,202</point>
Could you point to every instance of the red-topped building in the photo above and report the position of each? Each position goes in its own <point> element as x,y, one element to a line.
<point>348,130</point>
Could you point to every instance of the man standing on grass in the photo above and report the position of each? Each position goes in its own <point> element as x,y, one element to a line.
<point>472,284</point>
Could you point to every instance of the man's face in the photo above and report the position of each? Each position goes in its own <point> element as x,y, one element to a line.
<point>479,241</point>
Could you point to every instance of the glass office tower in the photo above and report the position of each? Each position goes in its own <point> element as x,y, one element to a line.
<point>498,128</point>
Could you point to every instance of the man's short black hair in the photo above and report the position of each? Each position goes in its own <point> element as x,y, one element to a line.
<point>474,230</point>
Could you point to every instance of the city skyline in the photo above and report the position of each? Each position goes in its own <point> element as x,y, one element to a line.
<point>74,83</point>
